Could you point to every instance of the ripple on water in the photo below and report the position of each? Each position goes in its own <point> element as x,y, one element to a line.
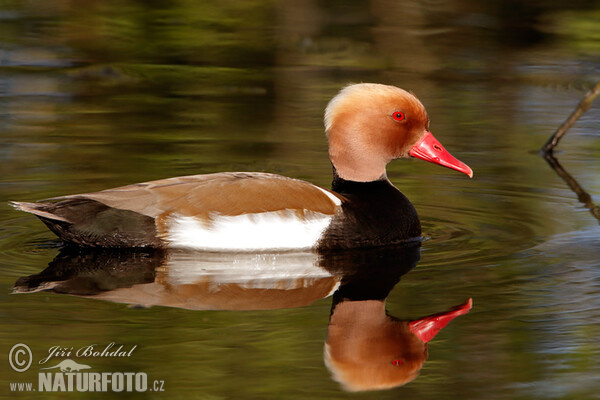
<point>25,246</point>
<point>469,236</point>
<point>493,221</point>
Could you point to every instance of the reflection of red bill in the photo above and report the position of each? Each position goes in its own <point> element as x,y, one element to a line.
<point>427,327</point>
<point>430,149</point>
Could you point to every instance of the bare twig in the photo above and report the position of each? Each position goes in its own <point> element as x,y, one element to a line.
<point>583,106</point>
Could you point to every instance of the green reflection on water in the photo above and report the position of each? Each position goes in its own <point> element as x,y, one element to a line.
<point>120,92</point>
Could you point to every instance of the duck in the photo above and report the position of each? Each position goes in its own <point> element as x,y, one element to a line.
<point>367,125</point>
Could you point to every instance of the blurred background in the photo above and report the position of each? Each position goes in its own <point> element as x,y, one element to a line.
<point>97,94</point>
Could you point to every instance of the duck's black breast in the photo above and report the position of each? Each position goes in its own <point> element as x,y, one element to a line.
<point>374,214</point>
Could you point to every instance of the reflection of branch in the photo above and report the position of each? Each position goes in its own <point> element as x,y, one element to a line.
<point>583,106</point>
<point>548,148</point>
<point>582,195</point>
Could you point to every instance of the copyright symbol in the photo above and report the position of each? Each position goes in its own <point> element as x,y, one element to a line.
<point>20,357</point>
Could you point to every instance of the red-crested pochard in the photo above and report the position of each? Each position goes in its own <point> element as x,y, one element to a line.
<point>367,125</point>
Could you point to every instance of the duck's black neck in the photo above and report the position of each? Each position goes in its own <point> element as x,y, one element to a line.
<point>341,185</point>
<point>374,213</point>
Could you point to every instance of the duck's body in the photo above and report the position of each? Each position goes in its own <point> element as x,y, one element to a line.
<point>216,212</point>
<point>235,211</point>
<point>367,125</point>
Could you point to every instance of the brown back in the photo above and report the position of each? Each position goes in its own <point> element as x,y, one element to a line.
<point>232,193</point>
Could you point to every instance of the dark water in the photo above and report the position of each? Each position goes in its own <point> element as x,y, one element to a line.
<point>120,92</point>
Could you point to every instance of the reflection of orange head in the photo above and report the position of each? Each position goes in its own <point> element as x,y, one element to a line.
<point>366,349</point>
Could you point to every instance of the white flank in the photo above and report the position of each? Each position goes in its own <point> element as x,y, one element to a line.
<point>278,230</point>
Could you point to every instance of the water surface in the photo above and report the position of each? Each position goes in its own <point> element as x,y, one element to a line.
<point>126,92</point>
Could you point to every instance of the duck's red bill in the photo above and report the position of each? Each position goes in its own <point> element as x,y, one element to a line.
<point>427,327</point>
<point>430,149</point>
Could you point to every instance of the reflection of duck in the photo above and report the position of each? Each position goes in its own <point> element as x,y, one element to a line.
<point>367,126</point>
<point>189,280</point>
<point>213,280</point>
<point>367,349</point>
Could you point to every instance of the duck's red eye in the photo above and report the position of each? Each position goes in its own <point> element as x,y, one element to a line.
<point>397,362</point>
<point>398,116</point>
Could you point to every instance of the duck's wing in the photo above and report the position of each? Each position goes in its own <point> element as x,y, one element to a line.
<point>232,193</point>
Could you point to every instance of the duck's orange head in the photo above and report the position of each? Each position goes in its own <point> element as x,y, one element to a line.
<point>368,125</point>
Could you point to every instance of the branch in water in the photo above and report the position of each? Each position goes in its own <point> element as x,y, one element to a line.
<point>583,106</point>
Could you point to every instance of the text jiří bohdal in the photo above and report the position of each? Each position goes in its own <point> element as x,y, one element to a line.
<point>92,350</point>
